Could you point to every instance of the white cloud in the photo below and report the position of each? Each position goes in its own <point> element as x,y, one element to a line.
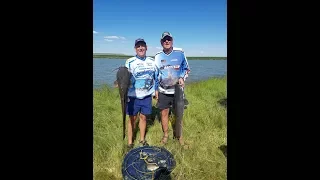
<point>111,37</point>
<point>158,47</point>
<point>95,32</point>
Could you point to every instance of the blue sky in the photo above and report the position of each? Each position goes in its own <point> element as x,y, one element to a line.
<point>198,27</point>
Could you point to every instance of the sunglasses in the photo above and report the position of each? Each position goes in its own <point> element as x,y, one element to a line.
<point>140,44</point>
<point>166,39</point>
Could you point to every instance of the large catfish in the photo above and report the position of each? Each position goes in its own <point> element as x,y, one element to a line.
<point>178,109</point>
<point>123,83</point>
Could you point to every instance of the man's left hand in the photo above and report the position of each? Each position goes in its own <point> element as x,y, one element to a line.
<point>181,82</point>
<point>156,95</point>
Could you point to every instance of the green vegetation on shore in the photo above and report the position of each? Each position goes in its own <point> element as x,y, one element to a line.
<point>121,56</point>
<point>204,122</point>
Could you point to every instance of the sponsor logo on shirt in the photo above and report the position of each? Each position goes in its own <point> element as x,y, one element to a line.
<point>176,67</point>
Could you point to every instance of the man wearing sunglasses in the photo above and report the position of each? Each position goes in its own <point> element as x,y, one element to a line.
<point>173,68</point>
<point>144,82</point>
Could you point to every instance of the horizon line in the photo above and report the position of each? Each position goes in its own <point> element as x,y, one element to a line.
<point>117,54</point>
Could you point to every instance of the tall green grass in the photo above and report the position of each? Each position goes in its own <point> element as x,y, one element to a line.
<point>204,130</point>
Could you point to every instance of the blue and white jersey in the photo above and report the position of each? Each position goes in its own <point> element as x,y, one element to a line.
<point>171,67</point>
<point>144,77</point>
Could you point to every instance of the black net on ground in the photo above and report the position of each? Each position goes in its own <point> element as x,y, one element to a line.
<point>148,162</point>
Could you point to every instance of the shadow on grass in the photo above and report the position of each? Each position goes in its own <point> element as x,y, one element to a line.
<point>223,148</point>
<point>104,175</point>
<point>223,102</point>
<point>168,177</point>
<point>152,118</point>
<point>155,115</point>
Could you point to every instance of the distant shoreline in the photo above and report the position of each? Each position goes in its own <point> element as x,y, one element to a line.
<point>107,56</point>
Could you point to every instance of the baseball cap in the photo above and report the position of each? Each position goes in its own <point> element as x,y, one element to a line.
<point>139,40</point>
<point>164,34</point>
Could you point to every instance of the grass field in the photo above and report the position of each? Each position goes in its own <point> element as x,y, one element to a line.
<point>205,129</point>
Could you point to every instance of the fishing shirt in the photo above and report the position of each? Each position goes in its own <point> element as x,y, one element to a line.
<point>171,67</point>
<point>143,80</point>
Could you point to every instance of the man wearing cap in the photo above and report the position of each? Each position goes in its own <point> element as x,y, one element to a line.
<point>173,68</point>
<point>143,85</point>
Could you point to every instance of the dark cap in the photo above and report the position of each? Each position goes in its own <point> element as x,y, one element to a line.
<point>164,34</point>
<point>139,40</point>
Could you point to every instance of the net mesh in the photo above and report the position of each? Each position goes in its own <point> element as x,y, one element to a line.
<point>148,162</point>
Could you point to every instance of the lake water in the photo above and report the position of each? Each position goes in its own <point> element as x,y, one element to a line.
<point>200,69</point>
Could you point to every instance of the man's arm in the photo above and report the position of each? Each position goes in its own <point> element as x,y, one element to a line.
<point>184,68</point>
<point>156,80</point>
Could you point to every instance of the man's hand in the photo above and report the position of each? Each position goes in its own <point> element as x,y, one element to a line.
<point>156,95</point>
<point>181,82</point>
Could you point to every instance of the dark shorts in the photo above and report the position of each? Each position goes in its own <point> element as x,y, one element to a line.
<point>144,106</point>
<point>165,100</point>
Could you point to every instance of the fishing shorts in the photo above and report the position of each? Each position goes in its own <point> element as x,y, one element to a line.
<point>165,101</point>
<point>135,105</point>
